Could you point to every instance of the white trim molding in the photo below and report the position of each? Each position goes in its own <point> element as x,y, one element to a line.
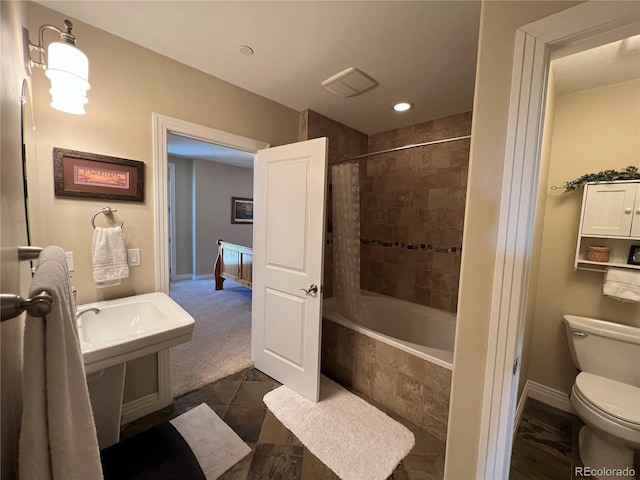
<point>550,396</point>
<point>162,126</point>
<point>153,402</point>
<point>140,407</point>
<point>580,27</point>
<point>544,394</point>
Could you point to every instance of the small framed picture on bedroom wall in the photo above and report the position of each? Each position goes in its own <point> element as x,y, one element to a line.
<point>241,210</point>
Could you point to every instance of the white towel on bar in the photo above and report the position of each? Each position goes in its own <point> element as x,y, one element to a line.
<point>58,437</point>
<point>621,284</point>
<point>109,256</point>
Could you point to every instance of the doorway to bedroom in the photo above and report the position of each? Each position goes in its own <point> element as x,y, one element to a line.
<point>205,182</point>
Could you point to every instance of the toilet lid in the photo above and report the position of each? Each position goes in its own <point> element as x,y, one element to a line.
<point>615,398</point>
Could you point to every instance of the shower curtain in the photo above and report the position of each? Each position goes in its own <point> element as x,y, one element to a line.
<point>346,239</point>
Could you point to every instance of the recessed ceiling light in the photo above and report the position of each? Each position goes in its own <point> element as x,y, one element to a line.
<point>246,50</point>
<point>402,106</point>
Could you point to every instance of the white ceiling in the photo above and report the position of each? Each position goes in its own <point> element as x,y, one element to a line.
<point>418,51</point>
<point>611,63</point>
<point>179,146</point>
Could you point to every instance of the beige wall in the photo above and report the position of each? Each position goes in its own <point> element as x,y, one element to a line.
<point>594,130</point>
<point>499,21</point>
<point>215,184</point>
<point>128,84</point>
<point>184,215</point>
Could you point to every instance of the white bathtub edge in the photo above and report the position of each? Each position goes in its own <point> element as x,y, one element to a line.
<point>333,316</point>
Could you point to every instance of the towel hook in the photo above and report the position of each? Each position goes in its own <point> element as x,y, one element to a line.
<point>106,211</point>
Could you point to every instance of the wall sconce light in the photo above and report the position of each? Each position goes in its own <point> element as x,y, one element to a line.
<point>67,68</point>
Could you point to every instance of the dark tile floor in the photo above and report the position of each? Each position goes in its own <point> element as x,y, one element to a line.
<point>545,447</point>
<point>276,453</point>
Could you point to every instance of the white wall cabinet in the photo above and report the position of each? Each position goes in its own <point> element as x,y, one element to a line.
<point>611,218</point>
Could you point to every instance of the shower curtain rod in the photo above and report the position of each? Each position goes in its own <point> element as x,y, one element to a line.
<point>404,147</point>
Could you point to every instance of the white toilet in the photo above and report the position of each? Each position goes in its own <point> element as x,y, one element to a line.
<point>606,393</point>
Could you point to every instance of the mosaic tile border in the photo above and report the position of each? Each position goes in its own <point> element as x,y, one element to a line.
<point>406,246</point>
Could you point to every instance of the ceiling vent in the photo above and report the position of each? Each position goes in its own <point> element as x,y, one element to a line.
<point>349,83</point>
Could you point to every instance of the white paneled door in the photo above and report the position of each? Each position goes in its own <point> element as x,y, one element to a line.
<point>288,247</point>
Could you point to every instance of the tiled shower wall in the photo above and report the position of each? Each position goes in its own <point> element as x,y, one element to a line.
<point>413,211</point>
<point>344,142</point>
<point>412,205</point>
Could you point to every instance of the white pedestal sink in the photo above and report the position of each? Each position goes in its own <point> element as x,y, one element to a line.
<point>125,329</point>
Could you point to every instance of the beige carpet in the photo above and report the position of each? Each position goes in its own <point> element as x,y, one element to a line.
<point>221,343</point>
<point>354,439</point>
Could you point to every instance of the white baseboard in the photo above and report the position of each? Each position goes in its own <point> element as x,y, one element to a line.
<point>520,408</point>
<point>544,394</point>
<point>140,407</point>
<point>203,277</point>
<point>550,396</point>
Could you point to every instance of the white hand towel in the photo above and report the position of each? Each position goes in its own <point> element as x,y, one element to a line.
<point>109,257</point>
<point>622,284</point>
<point>58,438</point>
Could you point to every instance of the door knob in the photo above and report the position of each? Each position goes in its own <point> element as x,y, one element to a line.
<point>313,289</point>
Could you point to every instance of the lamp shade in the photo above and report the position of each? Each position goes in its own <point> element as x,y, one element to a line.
<point>68,70</point>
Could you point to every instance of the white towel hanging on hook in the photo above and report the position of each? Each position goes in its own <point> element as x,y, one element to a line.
<point>109,253</point>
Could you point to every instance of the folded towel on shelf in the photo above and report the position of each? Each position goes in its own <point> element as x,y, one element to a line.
<point>58,438</point>
<point>109,256</point>
<point>622,284</point>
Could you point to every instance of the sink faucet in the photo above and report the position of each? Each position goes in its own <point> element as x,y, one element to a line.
<point>86,310</point>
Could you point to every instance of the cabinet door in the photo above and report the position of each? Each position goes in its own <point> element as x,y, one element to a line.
<point>609,209</point>
<point>635,225</point>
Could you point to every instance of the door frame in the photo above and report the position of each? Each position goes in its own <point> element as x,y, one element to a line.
<point>171,178</point>
<point>162,125</point>
<point>579,28</point>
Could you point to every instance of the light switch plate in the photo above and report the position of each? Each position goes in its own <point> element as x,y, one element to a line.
<point>133,257</point>
<point>69,256</point>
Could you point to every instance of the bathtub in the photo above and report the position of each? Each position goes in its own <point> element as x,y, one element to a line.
<point>402,358</point>
<point>419,330</point>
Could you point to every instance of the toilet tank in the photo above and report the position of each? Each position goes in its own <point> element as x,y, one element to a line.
<point>604,348</point>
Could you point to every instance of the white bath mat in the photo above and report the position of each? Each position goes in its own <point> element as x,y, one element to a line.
<point>213,442</point>
<point>195,445</point>
<point>354,439</point>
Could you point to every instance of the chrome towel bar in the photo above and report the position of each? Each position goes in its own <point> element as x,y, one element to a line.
<point>28,253</point>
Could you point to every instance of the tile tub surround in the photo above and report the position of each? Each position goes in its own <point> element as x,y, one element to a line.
<point>413,211</point>
<point>411,387</point>
<point>344,142</point>
<point>412,201</point>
